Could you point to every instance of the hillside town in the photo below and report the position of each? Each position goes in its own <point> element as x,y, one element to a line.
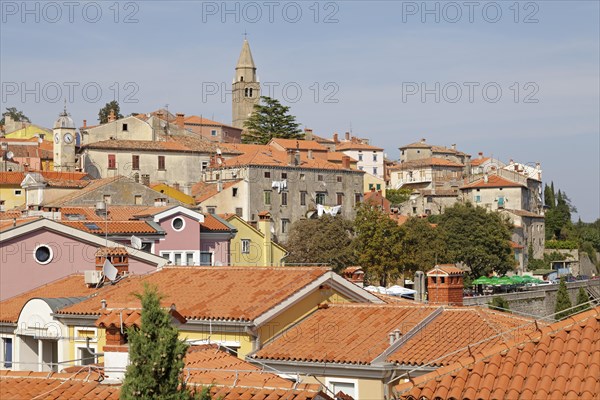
<point>296,264</point>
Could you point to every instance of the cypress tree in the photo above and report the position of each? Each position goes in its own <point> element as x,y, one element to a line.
<point>156,354</point>
<point>563,302</point>
<point>582,301</point>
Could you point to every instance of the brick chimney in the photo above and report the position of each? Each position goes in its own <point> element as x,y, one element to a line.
<point>335,138</point>
<point>111,116</point>
<point>116,349</point>
<point>345,162</point>
<point>118,257</point>
<point>179,120</point>
<point>445,285</point>
<point>85,123</point>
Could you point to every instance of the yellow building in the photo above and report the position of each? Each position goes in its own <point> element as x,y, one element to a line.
<point>174,193</point>
<point>30,131</point>
<point>252,246</point>
<point>11,193</point>
<point>374,182</point>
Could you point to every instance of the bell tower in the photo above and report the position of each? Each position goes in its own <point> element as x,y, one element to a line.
<point>245,87</point>
<point>64,143</point>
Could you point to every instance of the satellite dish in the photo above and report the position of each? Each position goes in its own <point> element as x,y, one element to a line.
<point>109,270</point>
<point>136,242</point>
<point>10,155</point>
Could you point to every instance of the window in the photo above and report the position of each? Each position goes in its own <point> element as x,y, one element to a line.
<point>107,198</point>
<point>429,199</point>
<point>177,258</point>
<point>320,178</point>
<point>211,210</point>
<point>379,186</point>
<point>501,202</point>
<point>283,175</point>
<point>137,199</point>
<point>205,258</point>
<point>339,199</point>
<point>18,192</point>
<point>357,198</point>
<point>360,157</point>
<point>8,351</point>
<point>85,356</point>
<point>245,246</point>
<point>361,168</point>
<point>374,170</point>
<point>303,198</point>
<point>189,259</point>
<point>342,385</point>
<point>302,177</point>
<point>125,128</point>
<point>284,198</point>
<point>267,174</point>
<point>267,196</point>
<point>320,198</point>
<point>135,162</point>
<point>178,224</point>
<point>112,161</point>
<point>161,163</point>
<point>478,199</point>
<point>204,165</point>
<point>147,247</point>
<point>285,225</point>
<point>234,192</point>
<point>239,211</point>
<point>374,156</point>
<point>43,254</point>
<point>339,178</point>
<point>213,132</point>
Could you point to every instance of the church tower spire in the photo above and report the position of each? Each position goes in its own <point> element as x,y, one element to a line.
<point>245,87</point>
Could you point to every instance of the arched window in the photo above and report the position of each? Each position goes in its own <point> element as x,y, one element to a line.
<point>241,79</point>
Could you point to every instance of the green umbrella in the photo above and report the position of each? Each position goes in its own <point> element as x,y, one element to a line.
<point>482,280</point>
<point>528,278</point>
<point>505,280</point>
<point>517,279</point>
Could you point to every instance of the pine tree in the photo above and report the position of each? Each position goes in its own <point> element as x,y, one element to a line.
<point>269,121</point>
<point>105,111</point>
<point>563,302</point>
<point>156,355</point>
<point>549,199</point>
<point>582,301</point>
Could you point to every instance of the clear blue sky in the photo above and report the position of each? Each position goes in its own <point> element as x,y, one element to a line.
<point>373,58</point>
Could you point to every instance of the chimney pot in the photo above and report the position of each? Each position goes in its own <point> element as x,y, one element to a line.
<point>310,154</point>
<point>347,136</point>
<point>392,338</point>
<point>335,138</point>
<point>397,333</point>
<point>103,304</point>
<point>179,120</point>
<point>453,146</point>
<point>85,123</point>
<point>423,140</point>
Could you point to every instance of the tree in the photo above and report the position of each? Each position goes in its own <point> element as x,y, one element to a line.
<point>549,199</point>
<point>269,121</point>
<point>378,244</point>
<point>582,301</point>
<point>397,196</point>
<point>563,302</point>
<point>477,238</point>
<point>500,304</point>
<point>325,240</point>
<point>156,354</point>
<point>420,245</point>
<point>16,116</point>
<point>105,111</point>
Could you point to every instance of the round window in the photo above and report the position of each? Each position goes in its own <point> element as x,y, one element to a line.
<point>43,254</point>
<point>178,224</point>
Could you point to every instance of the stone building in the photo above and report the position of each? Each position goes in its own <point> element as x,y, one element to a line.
<point>245,87</point>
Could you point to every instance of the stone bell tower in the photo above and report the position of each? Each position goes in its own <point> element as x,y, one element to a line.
<point>245,87</point>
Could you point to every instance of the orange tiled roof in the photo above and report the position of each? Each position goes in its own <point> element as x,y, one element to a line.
<point>559,361</point>
<point>493,181</point>
<point>524,213</point>
<point>16,212</point>
<point>115,212</point>
<point>93,185</point>
<point>293,144</point>
<point>213,223</point>
<point>478,161</point>
<point>445,339</point>
<point>15,178</point>
<point>449,269</point>
<point>205,292</point>
<point>249,393</point>
<point>189,144</point>
<point>71,286</point>
<point>426,162</point>
<point>118,318</point>
<point>417,145</point>
<point>112,227</point>
<point>194,119</point>
<point>203,191</point>
<point>6,224</point>
<point>356,146</point>
<point>337,157</point>
<point>351,334</point>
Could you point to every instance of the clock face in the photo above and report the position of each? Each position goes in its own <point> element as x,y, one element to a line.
<point>57,138</point>
<point>68,138</point>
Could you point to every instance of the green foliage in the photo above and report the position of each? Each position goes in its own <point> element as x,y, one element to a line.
<point>156,354</point>
<point>105,111</point>
<point>549,199</point>
<point>397,196</point>
<point>562,244</point>
<point>582,301</point>
<point>378,244</point>
<point>500,304</point>
<point>558,218</point>
<point>269,121</point>
<point>324,240</point>
<point>563,302</point>
<point>478,238</point>
<point>419,246</point>
<point>15,115</point>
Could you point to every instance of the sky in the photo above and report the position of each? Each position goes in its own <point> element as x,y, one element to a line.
<point>512,79</point>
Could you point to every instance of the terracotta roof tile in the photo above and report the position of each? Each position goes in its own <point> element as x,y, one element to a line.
<point>558,361</point>
<point>293,144</point>
<point>6,224</point>
<point>71,286</point>
<point>203,191</point>
<point>93,185</point>
<point>214,223</point>
<point>15,178</point>
<point>194,119</point>
<point>493,181</point>
<point>112,227</point>
<point>478,161</point>
<point>205,292</point>
<point>115,212</point>
<point>417,145</point>
<point>426,162</point>
<point>118,318</point>
<point>449,269</point>
<point>187,144</point>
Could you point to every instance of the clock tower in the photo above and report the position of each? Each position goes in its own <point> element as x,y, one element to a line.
<point>64,143</point>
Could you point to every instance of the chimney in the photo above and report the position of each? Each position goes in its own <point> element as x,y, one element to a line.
<point>423,140</point>
<point>85,123</point>
<point>111,116</point>
<point>453,146</point>
<point>538,166</point>
<point>392,338</point>
<point>116,349</point>
<point>101,209</point>
<point>308,134</point>
<point>297,158</point>
<point>179,120</point>
<point>290,157</point>
<point>219,186</point>
<point>481,155</point>
<point>264,226</point>
<point>345,162</point>
<point>445,285</point>
<point>335,138</point>
<point>310,154</point>
<point>347,136</point>
<point>117,256</point>
<point>159,114</point>
<point>397,334</point>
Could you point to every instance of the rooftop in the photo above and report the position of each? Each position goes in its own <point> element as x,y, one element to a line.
<point>426,162</point>
<point>492,181</point>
